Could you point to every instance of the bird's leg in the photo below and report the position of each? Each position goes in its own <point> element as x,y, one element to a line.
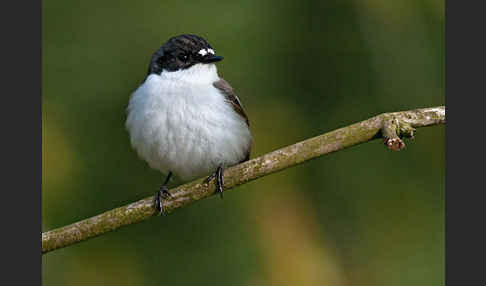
<point>219,180</point>
<point>163,192</point>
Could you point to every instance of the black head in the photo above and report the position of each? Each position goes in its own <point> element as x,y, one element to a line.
<point>181,52</point>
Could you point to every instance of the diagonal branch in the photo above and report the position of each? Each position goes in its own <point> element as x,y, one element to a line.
<point>389,126</point>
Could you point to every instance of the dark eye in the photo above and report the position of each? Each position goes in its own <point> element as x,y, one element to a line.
<point>182,57</point>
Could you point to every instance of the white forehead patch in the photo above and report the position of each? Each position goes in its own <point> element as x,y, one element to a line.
<point>203,52</point>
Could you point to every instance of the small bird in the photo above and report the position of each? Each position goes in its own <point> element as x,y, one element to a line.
<point>184,120</point>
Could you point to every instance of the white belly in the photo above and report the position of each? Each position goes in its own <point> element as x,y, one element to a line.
<point>187,129</point>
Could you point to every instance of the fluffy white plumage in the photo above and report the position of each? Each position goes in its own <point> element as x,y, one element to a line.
<point>178,121</point>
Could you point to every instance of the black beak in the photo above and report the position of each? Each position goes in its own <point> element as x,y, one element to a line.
<point>211,59</point>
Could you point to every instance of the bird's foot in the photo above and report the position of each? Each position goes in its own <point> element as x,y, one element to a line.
<point>218,175</point>
<point>161,194</point>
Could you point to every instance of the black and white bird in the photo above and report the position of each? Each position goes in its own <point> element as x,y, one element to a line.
<point>184,120</point>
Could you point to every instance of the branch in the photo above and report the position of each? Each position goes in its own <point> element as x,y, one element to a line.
<point>389,126</point>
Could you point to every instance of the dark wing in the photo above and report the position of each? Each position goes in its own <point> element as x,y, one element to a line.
<point>231,97</point>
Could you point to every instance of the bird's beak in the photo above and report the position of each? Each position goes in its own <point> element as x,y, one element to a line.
<point>212,59</point>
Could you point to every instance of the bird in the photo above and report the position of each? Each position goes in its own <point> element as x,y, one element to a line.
<point>185,120</point>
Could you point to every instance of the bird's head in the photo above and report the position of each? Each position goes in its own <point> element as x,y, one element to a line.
<point>182,52</point>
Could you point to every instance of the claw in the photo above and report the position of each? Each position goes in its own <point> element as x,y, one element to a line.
<point>210,178</point>
<point>220,181</point>
<point>161,194</point>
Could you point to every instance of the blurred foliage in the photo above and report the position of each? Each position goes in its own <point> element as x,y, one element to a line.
<point>362,216</point>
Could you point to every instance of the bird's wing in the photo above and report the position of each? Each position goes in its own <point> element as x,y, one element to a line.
<point>231,97</point>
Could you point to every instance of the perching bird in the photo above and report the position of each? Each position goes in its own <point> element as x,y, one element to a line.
<point>184,120</point>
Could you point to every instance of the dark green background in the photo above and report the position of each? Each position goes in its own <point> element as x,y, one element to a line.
<point>362,216</point>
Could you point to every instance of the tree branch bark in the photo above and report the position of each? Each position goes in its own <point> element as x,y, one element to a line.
<point>389,126</point>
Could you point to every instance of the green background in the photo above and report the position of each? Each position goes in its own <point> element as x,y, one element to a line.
<point>361,216</point>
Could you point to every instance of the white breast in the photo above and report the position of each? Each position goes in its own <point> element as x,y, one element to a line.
<point>179,122</point>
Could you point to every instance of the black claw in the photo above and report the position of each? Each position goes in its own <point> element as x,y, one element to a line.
<point>161,194</point>
<point>220,181</point>
<point>210,178</point>
<point>158,202</point>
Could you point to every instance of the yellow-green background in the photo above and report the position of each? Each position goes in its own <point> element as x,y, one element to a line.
<point>362,216</point>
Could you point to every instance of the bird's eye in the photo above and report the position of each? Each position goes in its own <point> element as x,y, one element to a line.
<point>182,57</point>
